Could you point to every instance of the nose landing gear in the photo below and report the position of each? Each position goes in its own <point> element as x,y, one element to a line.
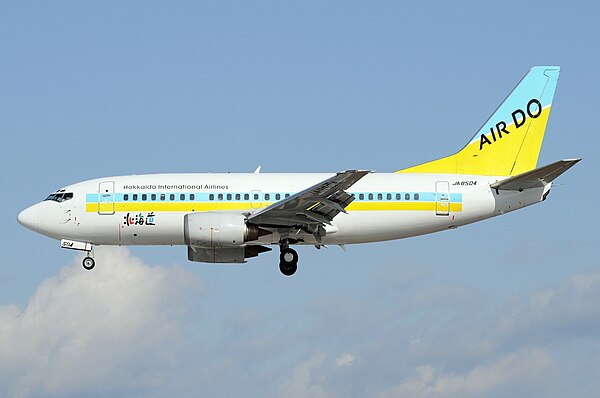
<point>89,263</point>
<point>288,261</point>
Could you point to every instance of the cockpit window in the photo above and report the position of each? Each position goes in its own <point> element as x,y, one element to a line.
<point>60,196</point>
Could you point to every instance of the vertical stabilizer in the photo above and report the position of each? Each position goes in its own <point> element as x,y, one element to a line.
<point>509,142</point>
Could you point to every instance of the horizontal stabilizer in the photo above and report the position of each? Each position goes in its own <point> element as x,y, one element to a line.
<point>535,178</point>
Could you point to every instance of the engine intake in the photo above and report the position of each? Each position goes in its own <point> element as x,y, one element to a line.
<point>219,229</point>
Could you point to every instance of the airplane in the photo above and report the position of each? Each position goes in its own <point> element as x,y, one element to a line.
<point>230,217</point>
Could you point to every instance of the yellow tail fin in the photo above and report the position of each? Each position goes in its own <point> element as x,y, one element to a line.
<point>509,142</point>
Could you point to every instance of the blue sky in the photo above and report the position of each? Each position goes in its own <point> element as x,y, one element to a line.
<point>507,306</point>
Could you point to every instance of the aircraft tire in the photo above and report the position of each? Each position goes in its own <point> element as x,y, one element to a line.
<point>88,263</point>
<point>288,261</point>
<point>288,269</point>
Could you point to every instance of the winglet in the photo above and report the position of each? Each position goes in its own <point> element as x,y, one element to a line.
<point>257,171</point>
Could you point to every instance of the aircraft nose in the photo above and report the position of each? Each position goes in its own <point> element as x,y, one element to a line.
<point>29,218</point>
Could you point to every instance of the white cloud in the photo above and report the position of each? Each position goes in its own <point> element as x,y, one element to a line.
<point>527,369</point>
<point>113,329</point>
<point>306,380</point>
<point>122,330</point>
<point>460,346</point>
<point>568,311</point>
<point>345,360</point>
<point>523,373</point>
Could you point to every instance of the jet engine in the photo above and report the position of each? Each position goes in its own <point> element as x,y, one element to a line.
<point>216,229</point>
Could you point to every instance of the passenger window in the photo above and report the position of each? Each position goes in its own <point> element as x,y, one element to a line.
<point>211,197</point>
<point>182,196</point>
<point>126,197</point>
<point>238,196</point>
<point>267,196</point>
<point>192,196</point>
<point>255,196</point>
<point>379,196</point>
<point>162,196</point>
<point>135,196</point>
<point>153,196</point>
<point>416,196</point>
<point>277,196</point>
<point>398,196</point>
<point>220,196</point>
<point>287,195</point>
<point>370,196</point>
<point>406,196</point>
<point>246,196</point>
<point>172,196</point>
<point>361,196</point>
<point>389,196</point>
<point>144,197</point>
<point>228,196</point>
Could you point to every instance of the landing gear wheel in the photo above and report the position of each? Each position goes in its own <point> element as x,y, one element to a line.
<point>288,269</point>
<point>89,263</point>
<point>288,261</point>
<point>288,256</point>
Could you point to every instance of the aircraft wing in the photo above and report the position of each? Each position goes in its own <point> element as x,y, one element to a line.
<point>310,209</point>
<point>535,178</point>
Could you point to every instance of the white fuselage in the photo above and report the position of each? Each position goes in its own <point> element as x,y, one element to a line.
<point>150,209</point>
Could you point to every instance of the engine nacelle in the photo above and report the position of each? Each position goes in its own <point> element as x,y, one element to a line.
<point>224,254</point>
<point>219,229</point>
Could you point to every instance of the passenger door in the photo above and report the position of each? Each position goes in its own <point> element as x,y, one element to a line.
<point>106,198</point>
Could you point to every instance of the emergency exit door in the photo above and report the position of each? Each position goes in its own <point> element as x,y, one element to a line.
<point>255,199</point>
<point>442,198</point>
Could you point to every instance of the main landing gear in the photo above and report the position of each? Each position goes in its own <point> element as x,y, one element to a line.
<point>288,261</point>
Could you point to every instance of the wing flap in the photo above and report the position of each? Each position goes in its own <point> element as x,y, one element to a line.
<point>535,178</point>
<point>314,206</point>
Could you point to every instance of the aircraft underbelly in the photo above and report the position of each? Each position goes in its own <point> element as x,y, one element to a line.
<point>362,227</point>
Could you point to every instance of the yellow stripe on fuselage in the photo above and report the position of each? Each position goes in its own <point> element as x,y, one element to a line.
<point>414,206</point>
<point>169,206</point>
<point>124,207</point>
